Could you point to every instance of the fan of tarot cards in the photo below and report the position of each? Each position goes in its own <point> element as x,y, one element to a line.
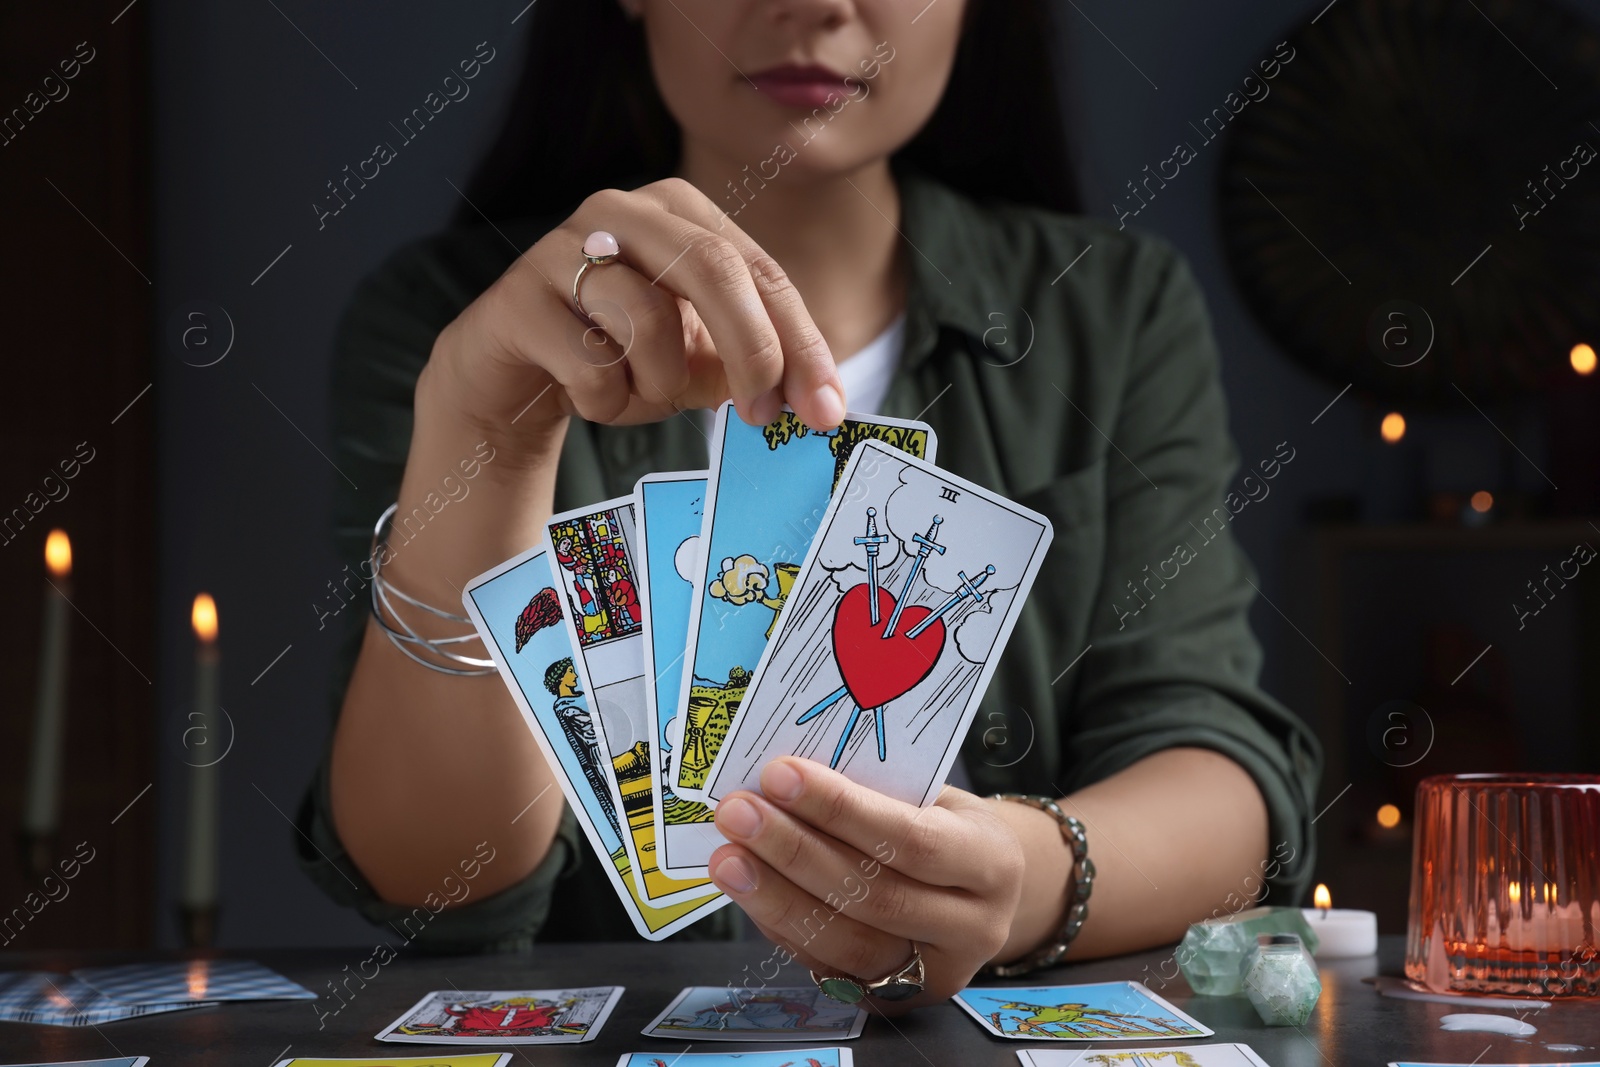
<point>826,594</point>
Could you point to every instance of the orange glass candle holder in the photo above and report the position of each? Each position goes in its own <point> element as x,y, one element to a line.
<point>1505,885</point>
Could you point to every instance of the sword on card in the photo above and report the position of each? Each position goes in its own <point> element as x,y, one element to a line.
<point>926,545</point>
<point>873,541</point>
<point>968,588</point>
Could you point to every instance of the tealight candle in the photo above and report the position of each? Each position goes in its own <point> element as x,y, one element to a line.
<point>1342,933</point>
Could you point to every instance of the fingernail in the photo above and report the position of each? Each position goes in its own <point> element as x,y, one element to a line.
<point>829,405</point>
<point>764,408</point>
<point>733,875</point>
<point>780,781</point>
<point>737,817</point>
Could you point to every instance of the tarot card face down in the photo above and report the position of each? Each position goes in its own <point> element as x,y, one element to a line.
<point>506,1017</point>
<point>768,489</point>
<point>517,610</point>
<point>52,999</point>
<point>594,563</point>
<point>1103,1011</point>
<point>884,687</point>
<point>1170,1056</point>
<point>670,508</point>
<point>192,980</point>
<point>720,1013</point>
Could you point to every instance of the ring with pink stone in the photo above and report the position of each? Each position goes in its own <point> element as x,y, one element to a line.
<point>599,248</point>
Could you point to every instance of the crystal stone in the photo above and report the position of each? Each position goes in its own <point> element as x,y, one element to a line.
<point>1281,981</point>
<point>1211,954</point>
<point>600,244</point>
<point>841,989</point>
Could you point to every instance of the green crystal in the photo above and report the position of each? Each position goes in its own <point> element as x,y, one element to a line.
<point>1281,981</point>
<point>1211,954</point>
<point>841,989</point>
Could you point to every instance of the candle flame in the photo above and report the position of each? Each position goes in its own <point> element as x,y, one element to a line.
<point>1583,358</point>
<point>1322,898</point>
<point>197,979</point>
<point>58,553</point>
<point>1514,892</point>
<point>1393,427</point>
<point>1388,816</point>
<point>204,618</point>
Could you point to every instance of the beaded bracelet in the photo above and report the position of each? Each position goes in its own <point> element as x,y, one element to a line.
<point>1072,832</point>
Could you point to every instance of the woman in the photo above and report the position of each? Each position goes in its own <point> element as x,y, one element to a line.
<point>818,203</point>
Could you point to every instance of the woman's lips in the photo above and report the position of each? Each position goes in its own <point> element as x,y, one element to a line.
<point>802,87</point>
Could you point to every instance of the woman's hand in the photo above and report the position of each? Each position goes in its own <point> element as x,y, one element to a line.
<point>691,313</point>
<point>846,878</point>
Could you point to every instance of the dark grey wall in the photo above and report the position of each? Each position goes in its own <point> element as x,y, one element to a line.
<point>254,116</point>
<point>255,113</point>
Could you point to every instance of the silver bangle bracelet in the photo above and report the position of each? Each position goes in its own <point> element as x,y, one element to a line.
<point>405,635</point>
<point>1072,832</point>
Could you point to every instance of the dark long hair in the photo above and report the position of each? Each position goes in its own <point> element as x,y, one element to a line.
<point>583,120</point>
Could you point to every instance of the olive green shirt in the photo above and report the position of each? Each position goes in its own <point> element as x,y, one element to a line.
<point>1090,394</point>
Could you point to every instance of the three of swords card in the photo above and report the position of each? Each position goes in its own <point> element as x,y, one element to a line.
<point>894,626</point>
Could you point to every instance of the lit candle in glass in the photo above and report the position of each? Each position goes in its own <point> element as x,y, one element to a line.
<point>1505,885</point>
<point>42,810</point>
<point>198,893</point>
<point>1342,933</point>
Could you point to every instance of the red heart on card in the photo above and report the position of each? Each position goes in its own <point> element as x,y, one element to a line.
<point>876,670</point>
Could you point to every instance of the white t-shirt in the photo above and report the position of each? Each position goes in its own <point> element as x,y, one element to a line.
<point>867,374</point>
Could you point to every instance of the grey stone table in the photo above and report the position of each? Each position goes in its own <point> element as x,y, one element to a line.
<point>1352,1025</point>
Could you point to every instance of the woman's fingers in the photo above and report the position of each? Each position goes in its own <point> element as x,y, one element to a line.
<point>848,878</point>
<point>810,377</point>
<point>627,363</point>
<point>955,842</point>
<point>825,938</point>
<point>527,325</point>
<point>692,312</point>
<point>646,327</point>
<point>843,877</point>
<point>751,311</point>
<point>704,268</point>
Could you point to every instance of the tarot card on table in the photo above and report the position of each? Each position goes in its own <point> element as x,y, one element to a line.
<point>800,1057</point>
<point>669,508</point>
<point>1167,1056</point>
<point>53,999</point>
<point>895,625</point>
<point>721,1013</point>
<point>594,563</point>
<point>506,1017</point>
<point>180,981</point>
<point>767,490</point>
<point>481,1059</point>
<point>517,610</point>
<point>1102,1011</point>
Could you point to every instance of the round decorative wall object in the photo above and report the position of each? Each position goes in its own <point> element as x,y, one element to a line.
<point>1413,205</point>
